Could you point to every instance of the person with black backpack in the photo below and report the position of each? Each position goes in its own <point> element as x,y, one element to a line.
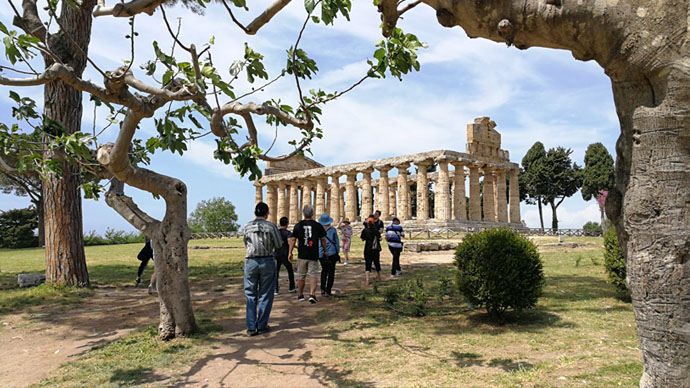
<point>372,248</point>
<point>145,255</point>
<point>281,255</point>
<point>333,250</point>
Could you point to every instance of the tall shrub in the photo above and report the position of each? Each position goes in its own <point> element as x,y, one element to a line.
<point>499,269</point>
<point>614,261</point>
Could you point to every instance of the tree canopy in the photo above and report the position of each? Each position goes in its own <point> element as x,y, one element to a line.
<point>598,172</point>
<point>213,215</point>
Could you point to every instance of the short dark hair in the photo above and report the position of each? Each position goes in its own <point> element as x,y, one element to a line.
<point>261,209</point>
<point>396,219</point>
<point>378,212</point>
<point>283,221</point>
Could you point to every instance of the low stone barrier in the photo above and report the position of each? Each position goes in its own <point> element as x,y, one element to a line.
<point>30,279</point>
<point>429,246</point>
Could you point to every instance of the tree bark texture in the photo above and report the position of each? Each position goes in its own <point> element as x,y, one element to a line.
<point>64,235</point>
<point>643,47</point>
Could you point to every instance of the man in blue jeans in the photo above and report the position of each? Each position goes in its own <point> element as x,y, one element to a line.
<point>261,238</point>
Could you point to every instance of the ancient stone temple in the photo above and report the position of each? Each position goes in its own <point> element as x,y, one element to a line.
<point>291,184</point>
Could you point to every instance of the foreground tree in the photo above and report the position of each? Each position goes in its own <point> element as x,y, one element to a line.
<point>598,175</point>
<point>214,215</point>
<point>191,91</point>
<point>642,47</point>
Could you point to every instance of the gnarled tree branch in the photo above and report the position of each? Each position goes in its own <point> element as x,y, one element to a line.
<point>127,9</point>
<point>265,17</point>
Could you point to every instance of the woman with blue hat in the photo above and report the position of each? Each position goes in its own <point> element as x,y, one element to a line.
<point>332,249</point>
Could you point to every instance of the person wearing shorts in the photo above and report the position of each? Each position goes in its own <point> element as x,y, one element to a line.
<point>347,238</point>
<point>308,233</point>
<point>372,248</point>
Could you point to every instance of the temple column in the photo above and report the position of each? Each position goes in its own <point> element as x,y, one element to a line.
<point>351,194</point>
<point>501,201</point>
<point>441,199</point>
<point>392,208</point>
<point>489,204</point>
<point>281,202</point>
<point>382,194</point>
<point>367,203</point>
<point>459,207</point>
<point>294,204</point>
<point>475,195</point>
<point>403,191</point>
<point>334,199</point>
<point>341,201</point>
<point>514,197</point>
<point>272,202</point>
<point>259,195</point>
<point>306,195</point>
<point>320,207</point>
<point>422,191</point>
<point>409,199</point>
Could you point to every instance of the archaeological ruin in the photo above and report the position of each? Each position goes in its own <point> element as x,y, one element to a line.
<point>292,183</point>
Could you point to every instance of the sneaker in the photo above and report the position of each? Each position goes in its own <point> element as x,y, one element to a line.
<point>394,275</point>
<point>300,298</point>
<point>252,333</point>
<point>399,273</point>
<point>150,289</point>
<point>292,290</point>
<point>138,280</point>
<point>323,292</point>
<point>312,299</point>
<point>264,330</point>
<point>346,262</point>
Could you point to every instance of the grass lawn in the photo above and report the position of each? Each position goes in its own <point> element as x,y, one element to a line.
<point>580,335</point>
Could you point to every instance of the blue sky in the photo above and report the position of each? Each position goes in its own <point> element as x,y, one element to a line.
<point>532,95</point>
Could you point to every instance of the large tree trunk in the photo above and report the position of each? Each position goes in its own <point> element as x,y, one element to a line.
<point>554,217</point>
<point>41,223</point>
<point>653,219</point>
<point>643,47</point>
<point>64,245</point>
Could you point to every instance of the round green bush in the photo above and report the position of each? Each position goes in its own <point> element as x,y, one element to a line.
<point>614,261</point>
<point>499,269</point>
<point>592,229</point>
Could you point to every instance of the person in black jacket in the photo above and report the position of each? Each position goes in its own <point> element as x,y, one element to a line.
<point>372,248</point>
<point>281,255</point>
<point>145,255</point>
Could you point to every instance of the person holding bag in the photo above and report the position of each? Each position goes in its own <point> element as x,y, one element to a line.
<point>332,251</point>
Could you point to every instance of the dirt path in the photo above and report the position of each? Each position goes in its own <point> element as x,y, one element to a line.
<point>43,341</point>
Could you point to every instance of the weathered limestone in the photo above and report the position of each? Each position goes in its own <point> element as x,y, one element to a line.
<point>459,205</point>
<point>320,206</point>
<point>392,196</point>
<point>514,197</point>
<point>282,204</point>
<point>351,194</point>
<point>475,195</point>
<point>294,215</point>
<point>403,191</point>
<point>392,203</point>
<point>501,200</point>
<point>272,202</point>
<point>259,195</point>
<point>367,203</point>
<point>422,191</point>
<point>441,202</point>
<point>489,203</point>
<point>334,198</point>
<point>306,195</point>
<point>382,194</point>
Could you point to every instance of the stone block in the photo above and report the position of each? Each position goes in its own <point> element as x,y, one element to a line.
<point>432,246</point>
<point>30,279</point>
<point>413,248</point>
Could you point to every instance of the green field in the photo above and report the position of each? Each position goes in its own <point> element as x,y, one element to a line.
<point>582,334</point>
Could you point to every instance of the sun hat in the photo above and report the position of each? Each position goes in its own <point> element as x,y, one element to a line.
<point>346,220</point>
<point>325,219</point>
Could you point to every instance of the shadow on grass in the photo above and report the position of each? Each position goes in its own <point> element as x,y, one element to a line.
<point>574,288</point>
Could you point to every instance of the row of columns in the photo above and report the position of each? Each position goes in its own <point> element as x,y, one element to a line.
<point>393,198</point>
